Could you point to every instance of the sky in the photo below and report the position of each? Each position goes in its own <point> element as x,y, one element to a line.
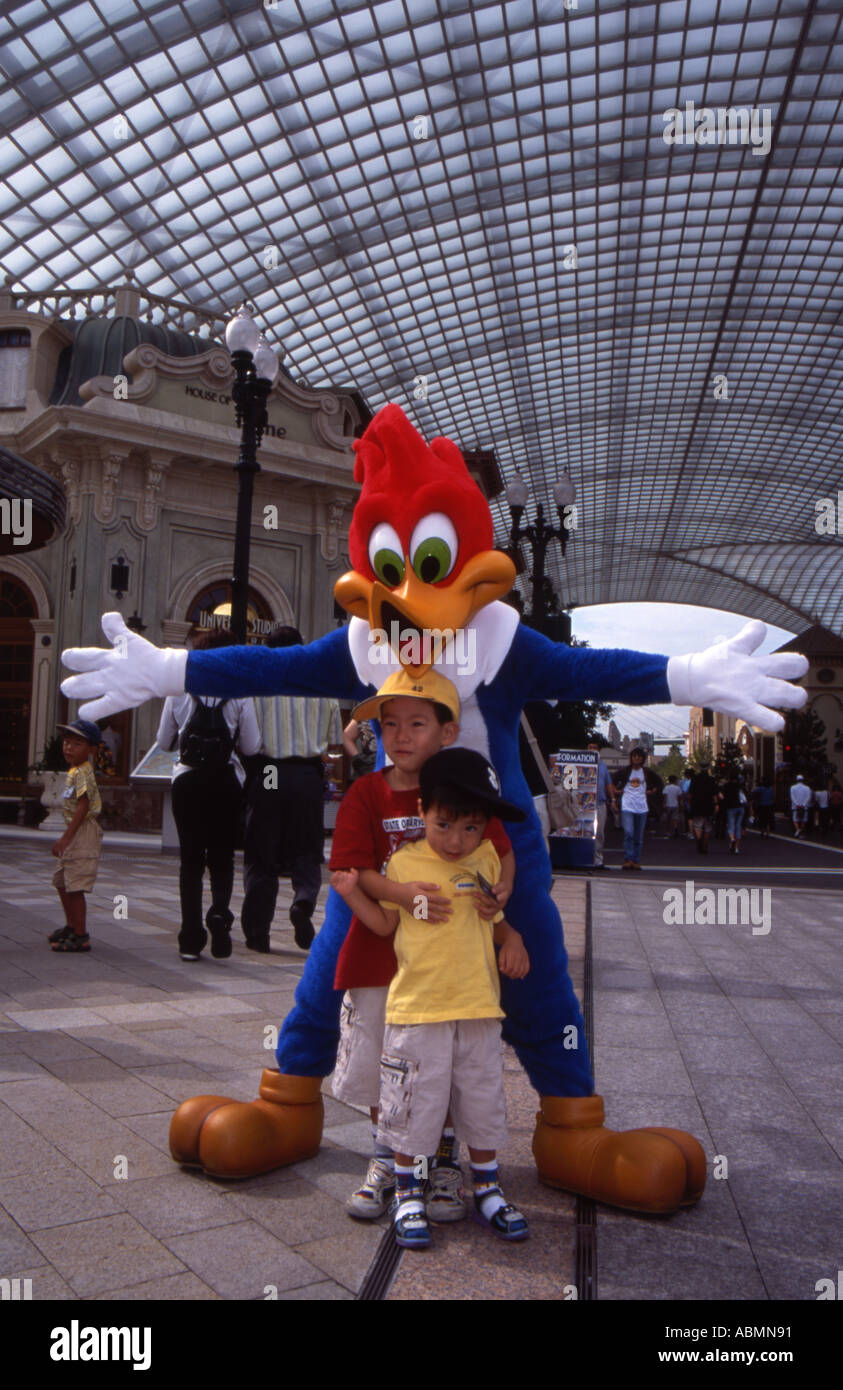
<point>669,628</point>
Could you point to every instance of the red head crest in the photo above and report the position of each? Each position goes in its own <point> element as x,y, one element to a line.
<point>404,479</point>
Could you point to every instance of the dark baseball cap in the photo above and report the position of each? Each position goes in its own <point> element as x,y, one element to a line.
<point>467,772</point>
<point>82,728</point>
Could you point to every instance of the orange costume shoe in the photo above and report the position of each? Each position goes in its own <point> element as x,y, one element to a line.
<point>651,1170</point>
<point>239,1139</point>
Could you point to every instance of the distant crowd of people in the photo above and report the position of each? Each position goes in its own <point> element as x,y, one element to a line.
<point>698,806</point>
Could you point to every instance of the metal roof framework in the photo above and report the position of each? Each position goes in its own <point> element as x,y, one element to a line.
<point>481,195</point>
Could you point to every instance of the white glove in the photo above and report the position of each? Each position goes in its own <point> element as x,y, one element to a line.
<point>729,678</point>
<point>133,672</point>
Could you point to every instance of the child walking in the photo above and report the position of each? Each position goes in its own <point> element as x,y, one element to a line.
<point>78,849</point>
<point>419,717</point>
<point>441,1047</point>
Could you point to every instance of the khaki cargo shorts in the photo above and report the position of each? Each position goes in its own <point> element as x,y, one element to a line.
<point>77,870</point>
<point>427,1068</point>
<point>357,1076</point>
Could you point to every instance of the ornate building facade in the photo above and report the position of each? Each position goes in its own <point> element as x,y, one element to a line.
<point>126,402</point>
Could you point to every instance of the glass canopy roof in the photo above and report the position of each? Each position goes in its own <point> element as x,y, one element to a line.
<point>482,195</point>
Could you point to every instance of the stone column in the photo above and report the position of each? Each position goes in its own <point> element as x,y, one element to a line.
<point>44,677</point>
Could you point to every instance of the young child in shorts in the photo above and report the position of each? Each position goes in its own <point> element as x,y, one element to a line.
<point>441,1045</point>
<point>78,849</point>
<point>419,716</point>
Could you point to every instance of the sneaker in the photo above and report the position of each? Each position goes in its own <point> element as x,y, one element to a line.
<point>219,925</point>
<point>300,915</point>
<point>191,949</point>
<point>444,1198</point>
<point>261,944</point>
<point>373,1198</point>
<point>507,1222</point>
<point>412,1230</point>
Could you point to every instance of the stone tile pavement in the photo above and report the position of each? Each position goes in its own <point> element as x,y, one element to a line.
<point>95,1053</point>
<point>738,1038</point>
<point>733,1036</point>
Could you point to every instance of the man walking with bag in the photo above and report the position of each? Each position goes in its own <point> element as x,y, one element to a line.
<point>207,794</point>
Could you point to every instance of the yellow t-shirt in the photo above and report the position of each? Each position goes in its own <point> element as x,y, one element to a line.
<point>81,782</point>
<point>446,970</point>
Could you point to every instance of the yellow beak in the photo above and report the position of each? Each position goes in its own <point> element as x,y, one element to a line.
<point>419,618</point>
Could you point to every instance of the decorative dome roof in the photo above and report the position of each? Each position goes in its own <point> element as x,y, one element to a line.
<point>100,344</point>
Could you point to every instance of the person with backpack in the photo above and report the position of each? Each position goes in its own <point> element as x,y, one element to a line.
<point>207,794</point>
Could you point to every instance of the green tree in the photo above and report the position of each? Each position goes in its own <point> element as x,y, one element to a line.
<point>728,760</point>
<point>805,746</point>
<point>672,765</point>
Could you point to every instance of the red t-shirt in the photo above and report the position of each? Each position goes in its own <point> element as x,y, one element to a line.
<point>373,821</point>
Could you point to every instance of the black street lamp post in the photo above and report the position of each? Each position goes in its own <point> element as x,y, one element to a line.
<point>544,615</point>
<point>255,369</point>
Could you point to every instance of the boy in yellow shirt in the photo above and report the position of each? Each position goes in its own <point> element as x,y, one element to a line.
<point>78,849</point>
<point>441,1046</point>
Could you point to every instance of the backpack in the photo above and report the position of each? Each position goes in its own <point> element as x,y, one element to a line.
<point>207,741</point>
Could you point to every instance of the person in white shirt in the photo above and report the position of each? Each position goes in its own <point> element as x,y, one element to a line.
<point>636,783</point>
<point>801,797</point>
<point>673,806</point>
<point>207,794</point>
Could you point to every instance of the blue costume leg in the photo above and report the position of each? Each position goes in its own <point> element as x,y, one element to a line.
<point>543,1021</point>
<point>307,1045</point>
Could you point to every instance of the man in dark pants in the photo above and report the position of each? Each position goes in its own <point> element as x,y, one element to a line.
<point>702,793</point>
<point>284,831</point>
<point>207,796</point>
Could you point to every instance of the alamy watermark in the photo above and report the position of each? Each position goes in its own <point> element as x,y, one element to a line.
<point>829,515</point>
<point>16,519</point>
<point>719,125</point>
<point>721,907</point>
<point>422,646</point>
<point>79,1342</point>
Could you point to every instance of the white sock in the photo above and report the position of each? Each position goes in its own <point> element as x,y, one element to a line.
<point>487,1193</point>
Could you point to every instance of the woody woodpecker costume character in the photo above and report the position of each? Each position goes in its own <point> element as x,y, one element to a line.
<point>420,544</point>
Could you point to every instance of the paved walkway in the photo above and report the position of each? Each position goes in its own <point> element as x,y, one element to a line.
<point>738,1038</point>
<point>95,1053</point>
<point>734,1036</point>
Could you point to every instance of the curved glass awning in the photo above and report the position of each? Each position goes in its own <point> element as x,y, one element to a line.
<point>472,209</point>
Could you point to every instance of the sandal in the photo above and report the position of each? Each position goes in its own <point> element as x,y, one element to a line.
<point>59,934</point>
<point>412,1231</point>
<point>507,1222</point>
<point>73,944</point>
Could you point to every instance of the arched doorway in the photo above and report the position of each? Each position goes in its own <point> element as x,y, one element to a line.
<point>17,646</point>
<point>212,608</point>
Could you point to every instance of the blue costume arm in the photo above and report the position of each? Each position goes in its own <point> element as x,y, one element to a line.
<point>538,669</point>
<point>323,667</point>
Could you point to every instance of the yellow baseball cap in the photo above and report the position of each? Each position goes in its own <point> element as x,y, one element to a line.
<point>430,686</point>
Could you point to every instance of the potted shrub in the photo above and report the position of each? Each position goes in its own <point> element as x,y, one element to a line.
<point>51,769</point>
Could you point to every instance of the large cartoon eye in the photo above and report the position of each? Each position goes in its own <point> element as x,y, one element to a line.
<point>433,547</point>
<point>385,555</point>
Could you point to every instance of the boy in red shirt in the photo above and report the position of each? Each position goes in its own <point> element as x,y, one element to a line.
<point>419,717</point>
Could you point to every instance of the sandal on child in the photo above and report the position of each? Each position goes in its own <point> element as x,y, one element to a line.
<point>412,1230</point>
<point>59,934</point>
<point>507,1222</point>
<point>73,944</point>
